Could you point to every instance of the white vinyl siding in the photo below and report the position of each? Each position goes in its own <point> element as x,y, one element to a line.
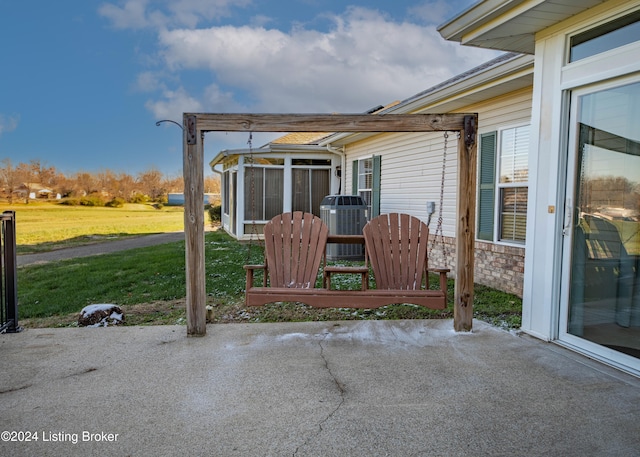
<point>412,162</point>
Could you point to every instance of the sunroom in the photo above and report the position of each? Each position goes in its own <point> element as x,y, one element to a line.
<point>258,184</point>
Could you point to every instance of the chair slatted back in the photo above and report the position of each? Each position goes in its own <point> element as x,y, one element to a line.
<point>294,246</point>
<point>397,250</point>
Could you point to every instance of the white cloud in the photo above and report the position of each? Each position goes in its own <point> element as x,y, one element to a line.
<point>149,81</point>
<point>8,123</point>
<point>435,12</point>
<point>137,14</point>
<point>131,15</point>
<point>364,60</point>
<point>173,104</point>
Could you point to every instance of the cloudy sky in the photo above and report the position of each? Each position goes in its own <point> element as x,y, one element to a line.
<point>82,83</point>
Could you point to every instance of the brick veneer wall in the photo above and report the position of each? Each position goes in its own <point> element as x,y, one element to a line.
<point>496,265</point>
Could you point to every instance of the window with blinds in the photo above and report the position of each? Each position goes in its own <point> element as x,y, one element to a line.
<point>366,182</point>
<point>512,183</point>
<point>503,185</point>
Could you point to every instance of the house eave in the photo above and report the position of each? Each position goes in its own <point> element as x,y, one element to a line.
<point>510,25</point>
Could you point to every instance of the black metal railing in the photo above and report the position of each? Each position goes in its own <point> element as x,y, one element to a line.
<point>9,276</point>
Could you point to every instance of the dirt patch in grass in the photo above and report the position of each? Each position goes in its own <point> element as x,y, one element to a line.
<point>154,313</point>
<point>174,312</point>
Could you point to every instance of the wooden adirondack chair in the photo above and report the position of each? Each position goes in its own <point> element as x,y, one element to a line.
<point>396,246</point>
<point>294,247</point>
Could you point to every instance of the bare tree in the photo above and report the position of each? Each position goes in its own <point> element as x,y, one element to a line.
<point>9,178</point>
<point>42,173</point>
<point>174,184</point>
<point>26,174</point>
<point>212,184</point>
<point>152,182</point>
<point>85,183</point>
<point>126,186</point>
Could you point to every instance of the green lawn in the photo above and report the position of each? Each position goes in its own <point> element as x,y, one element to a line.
<point>630,235</point>
<point>149,283</point>
<point>46,226</point>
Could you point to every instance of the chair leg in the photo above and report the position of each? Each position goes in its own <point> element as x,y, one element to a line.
<point>443,281</point>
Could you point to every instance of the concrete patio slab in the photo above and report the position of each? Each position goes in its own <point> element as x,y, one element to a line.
<point>357,388</point>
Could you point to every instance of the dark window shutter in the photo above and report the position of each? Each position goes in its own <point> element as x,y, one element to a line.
<point>375,191</point>
<point>486,185</point>
<point>354,177</point>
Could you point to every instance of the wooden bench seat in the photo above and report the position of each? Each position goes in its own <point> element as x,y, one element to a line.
<point>395,247</point>
<point>325,298</point>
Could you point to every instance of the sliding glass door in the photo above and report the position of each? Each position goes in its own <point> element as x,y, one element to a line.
<point>600,300</point>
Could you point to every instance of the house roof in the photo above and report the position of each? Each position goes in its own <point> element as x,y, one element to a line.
<point>502,75</point>
<point>315,137</point>
<point>510,25</point>
<point>300,138</point>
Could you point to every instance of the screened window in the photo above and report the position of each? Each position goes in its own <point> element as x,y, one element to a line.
<point>225,192</point>
<point>263,192</point>
<point>310,186</point>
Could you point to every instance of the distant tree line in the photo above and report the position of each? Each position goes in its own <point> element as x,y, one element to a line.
<point>610,192</point>
<point>25,181</point>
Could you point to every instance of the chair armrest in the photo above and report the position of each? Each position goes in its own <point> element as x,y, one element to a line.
<point>443,276</point>
<point>363,271</point>
<point>250,269</point>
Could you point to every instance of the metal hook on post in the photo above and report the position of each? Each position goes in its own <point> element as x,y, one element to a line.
<point>168,120</point>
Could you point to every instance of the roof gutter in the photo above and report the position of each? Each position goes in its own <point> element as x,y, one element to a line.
<point>343,160</point>
<point>477,15</point>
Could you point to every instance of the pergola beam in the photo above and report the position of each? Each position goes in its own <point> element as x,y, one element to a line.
<point>196,124</point>
<point>328,122</point>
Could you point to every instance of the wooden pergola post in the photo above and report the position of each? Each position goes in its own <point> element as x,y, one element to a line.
<point>465,227</point>
<point>193,172</point>
<point>195,125</point>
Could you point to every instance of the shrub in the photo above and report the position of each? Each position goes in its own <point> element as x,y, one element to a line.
<point>117,202</point>
<point>140,198</point>
<point>92,200</point>
<point>71,201</point>
<point>215,213</point>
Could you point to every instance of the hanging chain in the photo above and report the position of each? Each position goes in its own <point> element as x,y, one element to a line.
<point>252,197</point>
<point>438,233</point>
